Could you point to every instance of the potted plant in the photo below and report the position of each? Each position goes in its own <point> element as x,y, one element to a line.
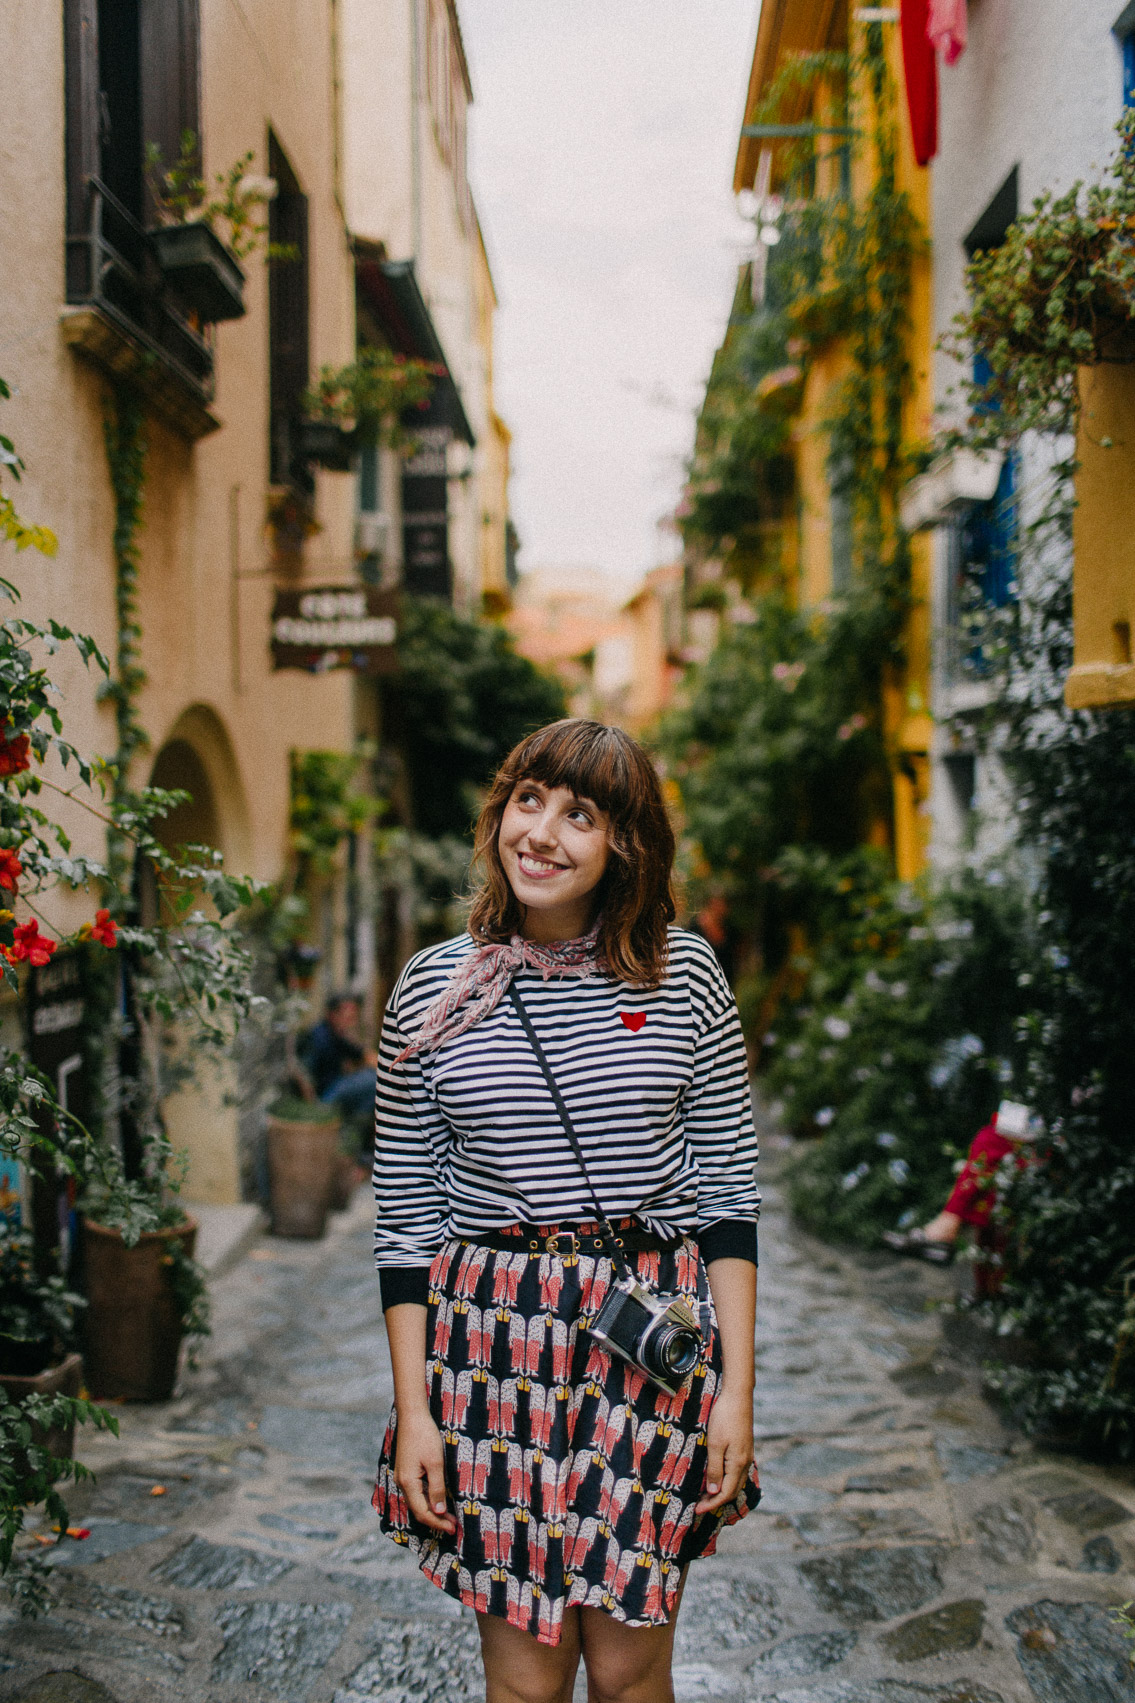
<point>303,1147</point>
<point>363,400</point>
<point>145,1291</point>
<point>345,1173</point>
<point>203,269</point>
<point>38,1354</point>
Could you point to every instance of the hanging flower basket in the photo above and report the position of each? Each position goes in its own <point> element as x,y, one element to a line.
<point>201,270</point>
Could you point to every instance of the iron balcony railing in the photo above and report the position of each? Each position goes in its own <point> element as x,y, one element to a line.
<point>111,265</point>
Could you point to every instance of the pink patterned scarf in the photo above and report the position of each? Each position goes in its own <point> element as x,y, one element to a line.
<point>478,985</point>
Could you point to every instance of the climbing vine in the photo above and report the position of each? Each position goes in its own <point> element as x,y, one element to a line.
<point>124,434</point>
<point>781,745</point>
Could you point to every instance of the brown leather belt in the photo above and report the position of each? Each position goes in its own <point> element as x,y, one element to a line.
<point>530,1239</point>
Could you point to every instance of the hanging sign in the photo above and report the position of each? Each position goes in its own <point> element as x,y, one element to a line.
<point>425,516</point>
<point>335,626</point>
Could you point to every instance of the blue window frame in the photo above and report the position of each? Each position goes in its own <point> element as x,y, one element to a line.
<point>1124,31</point>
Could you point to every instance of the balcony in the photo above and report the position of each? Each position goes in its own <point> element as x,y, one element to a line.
<point>122,315</point>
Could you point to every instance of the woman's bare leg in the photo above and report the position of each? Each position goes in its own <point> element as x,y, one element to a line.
<point>628,1664</point>
<point>520,1670</point>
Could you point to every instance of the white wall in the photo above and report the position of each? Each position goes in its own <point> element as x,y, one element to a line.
<point>1039,87</point>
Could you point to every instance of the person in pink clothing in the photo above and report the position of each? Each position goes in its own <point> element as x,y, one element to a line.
<point>973,1195</point>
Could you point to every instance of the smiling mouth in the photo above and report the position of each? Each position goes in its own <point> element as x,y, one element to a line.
<point>538,865</point>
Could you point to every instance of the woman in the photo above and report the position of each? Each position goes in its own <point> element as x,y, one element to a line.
<point>551,1485</point>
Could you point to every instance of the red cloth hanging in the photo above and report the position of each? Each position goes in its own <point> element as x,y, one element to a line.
<point>920,64</point>
<point>946,28</point>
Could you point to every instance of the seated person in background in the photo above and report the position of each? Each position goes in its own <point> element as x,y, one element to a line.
<point>972,1197</point>
<point>340,1067</point>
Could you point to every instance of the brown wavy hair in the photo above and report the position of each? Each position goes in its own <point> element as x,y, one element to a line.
<point>636,894</point>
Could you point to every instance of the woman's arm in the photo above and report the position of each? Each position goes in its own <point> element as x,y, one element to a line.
<point>419,1466</point>
<point>733,1285</point>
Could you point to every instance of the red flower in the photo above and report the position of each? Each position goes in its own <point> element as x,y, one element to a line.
<point>29,943</point>
<point>14,753</point>
<point>10,869</point>
<point>104,929</point>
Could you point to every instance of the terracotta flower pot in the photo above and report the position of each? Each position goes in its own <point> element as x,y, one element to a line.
<point>63,1380</point>
<point>133,1320</point>
<point>301,1171</point>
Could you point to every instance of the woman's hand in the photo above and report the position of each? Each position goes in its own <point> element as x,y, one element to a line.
<point>419,1471</point>
<point>419,1458</point>
<point>729,1436</point>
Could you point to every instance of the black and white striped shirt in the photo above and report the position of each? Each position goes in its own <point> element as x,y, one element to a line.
<point>468,1138</point>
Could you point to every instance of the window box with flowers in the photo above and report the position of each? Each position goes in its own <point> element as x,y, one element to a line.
<point>203,270</point>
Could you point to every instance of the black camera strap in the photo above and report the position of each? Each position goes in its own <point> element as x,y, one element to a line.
<point>606,1229</point>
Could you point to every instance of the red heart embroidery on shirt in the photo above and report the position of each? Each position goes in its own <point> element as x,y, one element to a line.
<point>634,1020</point>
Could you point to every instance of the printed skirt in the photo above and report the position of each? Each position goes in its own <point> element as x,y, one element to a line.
<point>574,1480</point>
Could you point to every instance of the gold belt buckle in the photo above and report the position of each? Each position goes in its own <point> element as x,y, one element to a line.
<point>552,1245</point>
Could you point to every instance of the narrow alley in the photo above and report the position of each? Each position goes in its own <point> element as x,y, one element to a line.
<point>907,1549</point>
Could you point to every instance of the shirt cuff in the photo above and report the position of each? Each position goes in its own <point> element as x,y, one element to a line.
<point>401,1283</point>
<point>728,1239</point>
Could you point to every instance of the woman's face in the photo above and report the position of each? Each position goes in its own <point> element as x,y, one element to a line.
<point>554,848</point>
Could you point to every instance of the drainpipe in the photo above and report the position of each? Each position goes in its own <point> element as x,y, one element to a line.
<point>415,128</point>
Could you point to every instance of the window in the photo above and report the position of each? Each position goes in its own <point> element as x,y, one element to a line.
<point>840,516</point>
<point>288,356</point>
<point>132,71</point>
<point>448,93</point>
<point>1124,30</point>
<point>990,229</point>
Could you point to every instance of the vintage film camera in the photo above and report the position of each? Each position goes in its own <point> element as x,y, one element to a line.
<point>657,1334</point>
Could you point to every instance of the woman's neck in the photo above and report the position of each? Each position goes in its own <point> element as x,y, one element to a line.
<point>552,928</point>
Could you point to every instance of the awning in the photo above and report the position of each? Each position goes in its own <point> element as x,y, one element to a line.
<point>391,291</point>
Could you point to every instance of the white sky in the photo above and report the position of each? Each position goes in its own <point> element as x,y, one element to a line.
<point>602,140</point>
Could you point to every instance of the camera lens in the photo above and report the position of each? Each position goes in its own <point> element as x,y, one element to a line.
<point>674,1351</point>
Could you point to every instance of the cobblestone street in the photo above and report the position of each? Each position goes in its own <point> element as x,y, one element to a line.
<point>907,1550</point>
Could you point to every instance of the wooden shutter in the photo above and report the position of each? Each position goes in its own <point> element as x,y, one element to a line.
<point>289,356</point>
<point>81,53</point>
<point>170,35</point>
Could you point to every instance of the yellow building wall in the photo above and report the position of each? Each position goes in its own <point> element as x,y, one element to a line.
<point>907,721</point>
<point>1103,536</point>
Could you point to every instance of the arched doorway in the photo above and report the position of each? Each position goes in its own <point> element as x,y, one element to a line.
<point>203,1115</point>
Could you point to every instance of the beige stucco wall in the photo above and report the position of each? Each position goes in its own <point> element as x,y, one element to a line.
<point>399,190</point>
<point>205,636</point>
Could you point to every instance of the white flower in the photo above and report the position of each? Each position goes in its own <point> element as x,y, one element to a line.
<point>899,1170</point>
<point>825,1116</point>
<point>898,990</point>
<point>853,1178</point>
<point>886,1139</point>
<point>837,1027</point>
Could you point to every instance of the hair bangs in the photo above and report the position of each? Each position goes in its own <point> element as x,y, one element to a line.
<point>585,757</point>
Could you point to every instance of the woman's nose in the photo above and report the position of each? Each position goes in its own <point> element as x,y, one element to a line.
<point>542,832</point>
